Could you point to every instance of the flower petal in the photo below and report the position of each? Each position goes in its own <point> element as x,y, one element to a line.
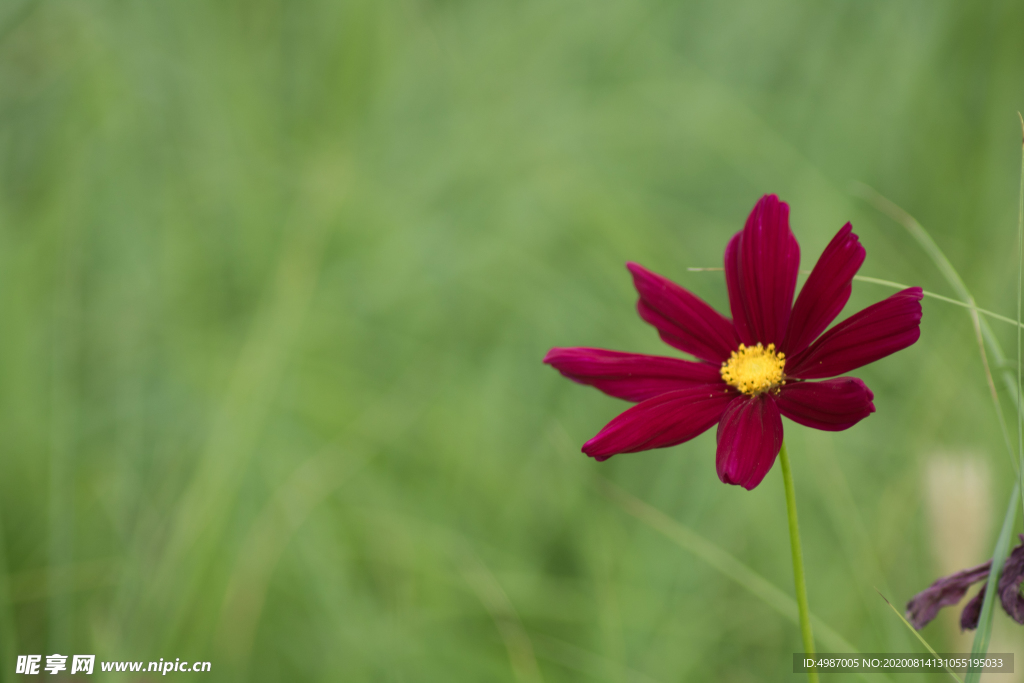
<point>877,331</point>
<point>826,291</point>
<point>972,611</point>
<point>1010,583</point>
<point>947,591</point>
<point>665,420</point>
<point>632,376</point>
<point>684,320</point>
<point>749,438</point>
<point>761,263</point>
<point>831,405</point>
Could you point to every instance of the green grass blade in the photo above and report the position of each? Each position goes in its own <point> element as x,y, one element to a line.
<point>918,232</point>
<point>984,632</point>
<point>918,635</point>
<point>981,638</point>
<point>725,563</point>
<point>983,332</point>
<point>898,285</point>
<point>943,264</point>
<point>933,295</point>
<point>510,627</point>
<point>593,666</point>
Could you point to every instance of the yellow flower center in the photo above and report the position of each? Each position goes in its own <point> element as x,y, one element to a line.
<point>754,369</point>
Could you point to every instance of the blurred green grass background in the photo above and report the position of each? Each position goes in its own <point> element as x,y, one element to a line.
<point>276,279</point>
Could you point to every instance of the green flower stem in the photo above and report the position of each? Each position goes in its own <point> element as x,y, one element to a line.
<point>798,561</point>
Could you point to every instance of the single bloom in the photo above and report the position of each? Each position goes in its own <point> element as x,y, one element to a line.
<point>949,590</point>
<point>758,366</point>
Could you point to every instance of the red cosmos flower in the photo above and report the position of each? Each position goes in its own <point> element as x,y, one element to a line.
<point>755,368</point>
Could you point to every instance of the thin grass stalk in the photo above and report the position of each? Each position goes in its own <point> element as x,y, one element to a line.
<point>898,285</point>
<point>983,634</point>
<point>727,565</point>
<point>945,266</point>
<point>918,635</point>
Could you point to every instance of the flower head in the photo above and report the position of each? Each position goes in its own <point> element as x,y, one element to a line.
<point>755,368</point>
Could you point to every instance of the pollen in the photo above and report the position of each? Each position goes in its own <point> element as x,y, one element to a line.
<point>754,369</point>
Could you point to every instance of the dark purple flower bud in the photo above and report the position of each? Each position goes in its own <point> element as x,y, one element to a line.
<point>947,591</point>
<point>972,611</point>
